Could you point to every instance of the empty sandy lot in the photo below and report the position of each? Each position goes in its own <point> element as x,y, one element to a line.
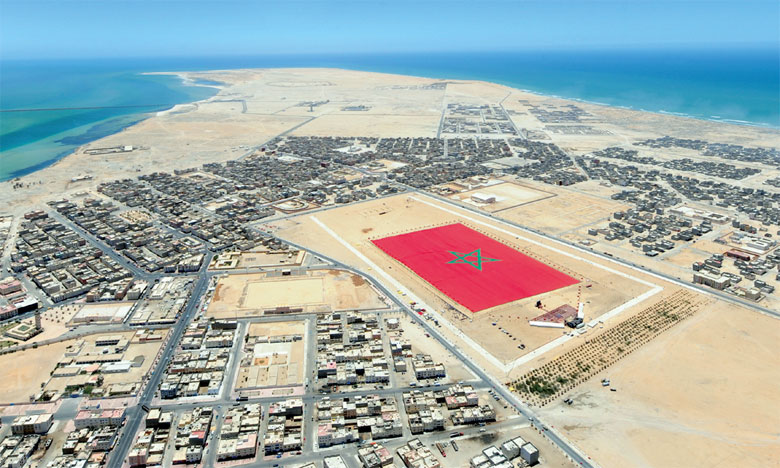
<point>371,125</point>
<point>249,295</point>
<point>23,372</point>
<point>293,327</point>
<point>292,292</point>
<point>701,394</point>
<point>569,210</point>
<point>507,195</point>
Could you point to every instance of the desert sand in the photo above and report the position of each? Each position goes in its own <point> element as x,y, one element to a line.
<point>251,294</point>
<point>705,391</point>
<point>19,382</point>
<point>702,393</point>
<point>358,224</point>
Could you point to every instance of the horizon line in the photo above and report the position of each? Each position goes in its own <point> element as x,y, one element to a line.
<point>719,47</point>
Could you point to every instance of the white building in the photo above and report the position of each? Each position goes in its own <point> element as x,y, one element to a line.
<point>529,453</point>
<point>334,462</point>
<point>510,449</point>
<point>89,418</point>
<point>483,198</point>
<point>33,424</point>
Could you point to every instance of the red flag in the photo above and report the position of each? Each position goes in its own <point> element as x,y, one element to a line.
<point>471,268</point>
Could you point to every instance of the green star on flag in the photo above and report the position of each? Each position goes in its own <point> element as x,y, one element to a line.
<point>464,258</point>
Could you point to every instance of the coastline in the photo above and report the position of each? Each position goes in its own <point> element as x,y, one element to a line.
<point>215,130</point>
<point>58,140</point>
<point>184,77</point>
<point>122,122</point>
<point>189,79</point>
<point>661,112</point>
<point>564,98</point>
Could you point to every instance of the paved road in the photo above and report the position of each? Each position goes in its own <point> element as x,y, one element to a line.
<point>507,395</point>
<point>511,121</point>
<point>92,240</point>
<point>220,406</point>
<point>265,143</point>
<point>703,290</point>
<point>310,397</point>
<point>428,438</point>
<point>609,258</point>
<point>135,414</point>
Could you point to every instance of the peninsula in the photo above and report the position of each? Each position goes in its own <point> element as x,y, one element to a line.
<point>329,268</point>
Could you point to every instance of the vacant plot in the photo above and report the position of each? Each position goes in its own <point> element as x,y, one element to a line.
<point>288,292</point>
<point>247,295</point>
<point>701,394</point>
<point>507,195</point>
<point>686,257</point>
<point>18,381</point>
<point>569,210</point>
<point>275,329</point>
<point>542,385</point>
<point>371,125</point>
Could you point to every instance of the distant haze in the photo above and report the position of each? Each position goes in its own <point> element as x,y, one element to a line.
<point>79,29</point>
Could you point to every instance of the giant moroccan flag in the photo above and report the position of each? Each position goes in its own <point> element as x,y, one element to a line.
<point>471,268</point>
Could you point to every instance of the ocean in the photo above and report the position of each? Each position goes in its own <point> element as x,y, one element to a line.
<point>51,108</point>
<point>79,101</point>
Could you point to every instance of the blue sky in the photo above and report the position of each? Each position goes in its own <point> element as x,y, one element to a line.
<point>113,28</point>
